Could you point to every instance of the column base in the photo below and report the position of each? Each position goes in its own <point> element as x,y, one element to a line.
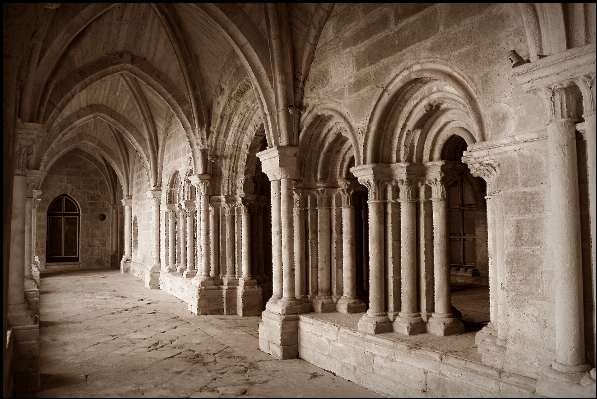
<point>229,297</point>
<point>152,280</point>
<point>409,324</point>
<point>444,324</point>
<point>209,301</point>
<point>350,305</point>
<point>21,315</point>
<point>324,304</point>
<point>305,304</point>
<point>491,348</point>
<point>125,265</point>
<point>180,269</point>
<point>284,306</point>
<point>278,335</point>
<point>248,298</point>
<point>205,281</point>
<point>375,324</point>
<point>26,359</point>
<point>189,273</point>
<point>579,381</point>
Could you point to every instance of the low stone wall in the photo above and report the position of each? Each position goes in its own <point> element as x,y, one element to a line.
<point>395,368</point>
<point>180,287</point>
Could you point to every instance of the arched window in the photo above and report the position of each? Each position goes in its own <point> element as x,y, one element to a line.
<point>62,243</point>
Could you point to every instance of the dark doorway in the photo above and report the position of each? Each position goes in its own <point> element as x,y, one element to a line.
<point>62,244</point>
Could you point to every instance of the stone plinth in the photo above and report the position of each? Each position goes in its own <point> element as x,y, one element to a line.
<point>278,335</point>
<point>209,301</point>
<point>350,305</point>
<point>409,325</point>
<point>324,305</point>
<point>26,358</point>
<point>229,295</point>
<point>375,324</point>
<point>248,298</point>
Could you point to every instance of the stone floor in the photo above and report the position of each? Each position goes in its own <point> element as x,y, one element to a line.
<point>103,334</point>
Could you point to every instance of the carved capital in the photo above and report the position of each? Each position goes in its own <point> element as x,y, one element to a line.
<point>299,197</point>
<point>485,168</point>
<point>155,196</point>
<point>27,138</point>
<point>171,208</point>
<point>201,182</point>
<point>127,201</point>
<point>440,175</point>
<point>280,162</point>
<point>409,187</point>
<point>189,205</point>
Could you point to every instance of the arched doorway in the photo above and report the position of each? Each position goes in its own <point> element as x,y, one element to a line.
<point>62,243</point>
<point>468,256</point>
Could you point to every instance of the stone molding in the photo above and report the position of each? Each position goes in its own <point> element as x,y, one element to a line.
<point>440,175</point>
<point>154,195</point>
<point>127,201</point>
<point>280,162</point>
<point>27,137</point>
<point>557,69</point>
<point>201,182</point>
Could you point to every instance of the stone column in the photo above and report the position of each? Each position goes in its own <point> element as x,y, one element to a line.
<point>376,319</point>
<point>487,169</point>
<point>182,234</point>
<point>249,293</point>
<point>565,244</point>
<point>152,278</point>
<point>171,212</point>
<point>214,240</point>
<point>442,321</point>
<point>229,210</point>
<point>300,213</point>
<point>127,202</point>
<point>276,243</point>
<point>114,232</point>
<point>409,321</point>
<point>323,302</point>
<point>190,270</point>
<point>35,264</point>
<point>349,302</point>
<point>393,251</point>
<point>201,182</point>
<point>313,259</point>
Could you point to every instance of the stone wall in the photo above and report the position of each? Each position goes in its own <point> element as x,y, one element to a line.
<point>79,178</point>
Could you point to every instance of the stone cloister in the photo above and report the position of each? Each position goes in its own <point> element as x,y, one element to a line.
<point>291,160</point>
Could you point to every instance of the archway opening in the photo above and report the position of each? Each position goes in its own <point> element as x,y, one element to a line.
<point>469,265</point>
<point>63,221</point>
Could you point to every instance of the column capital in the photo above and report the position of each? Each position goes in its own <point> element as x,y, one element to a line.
<point>485,168</point>
<point>323,196</point>
<point>280,162</point>
<point>440,175</point>
<point>300,198</point>
<point>409,185</point>
<point>189,205</point>
<point>171,208</point>
<point>373,176</point>
<point>201,182</point>
<point>127,201</point>
<point>154,195</point>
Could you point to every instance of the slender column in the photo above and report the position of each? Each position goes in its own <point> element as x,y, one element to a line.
<point>113,231</point>
<point>376,319</point>
<point>28,248</point>
<point>393,251</point>
<point>349,302</point>
<point>171,265</point>
<point>313,255</point>
<point>230,206</point>
<point>201,182</point>
<point>488,170</point>
<point>276,242</point>
<point>33,180</point>
<point>189,213</point>
<point>336,245</point>
<point>323,302</point>
<point>152,277</point>
<point>286,206</point>
<point>182,218</point>
<point>35,265</point>
<point>409,321</point>
<point>246,243</point>
<point>127,202</point>
<point>566,251</point>
<point>214,240</point>
<point>442,320</point>
<point>299,243</point>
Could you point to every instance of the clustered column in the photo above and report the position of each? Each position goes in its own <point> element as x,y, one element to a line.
<point>171,252</point>
<point>152,279</point>
<point>323,302</point>
<point>182,232</point>
<point>299,243</point>
<point>189,207</point>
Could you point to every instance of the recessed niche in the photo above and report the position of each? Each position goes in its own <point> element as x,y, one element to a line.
<point>102,217</point>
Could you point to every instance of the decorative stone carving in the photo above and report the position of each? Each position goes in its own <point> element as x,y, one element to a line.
<point>485,168</point>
